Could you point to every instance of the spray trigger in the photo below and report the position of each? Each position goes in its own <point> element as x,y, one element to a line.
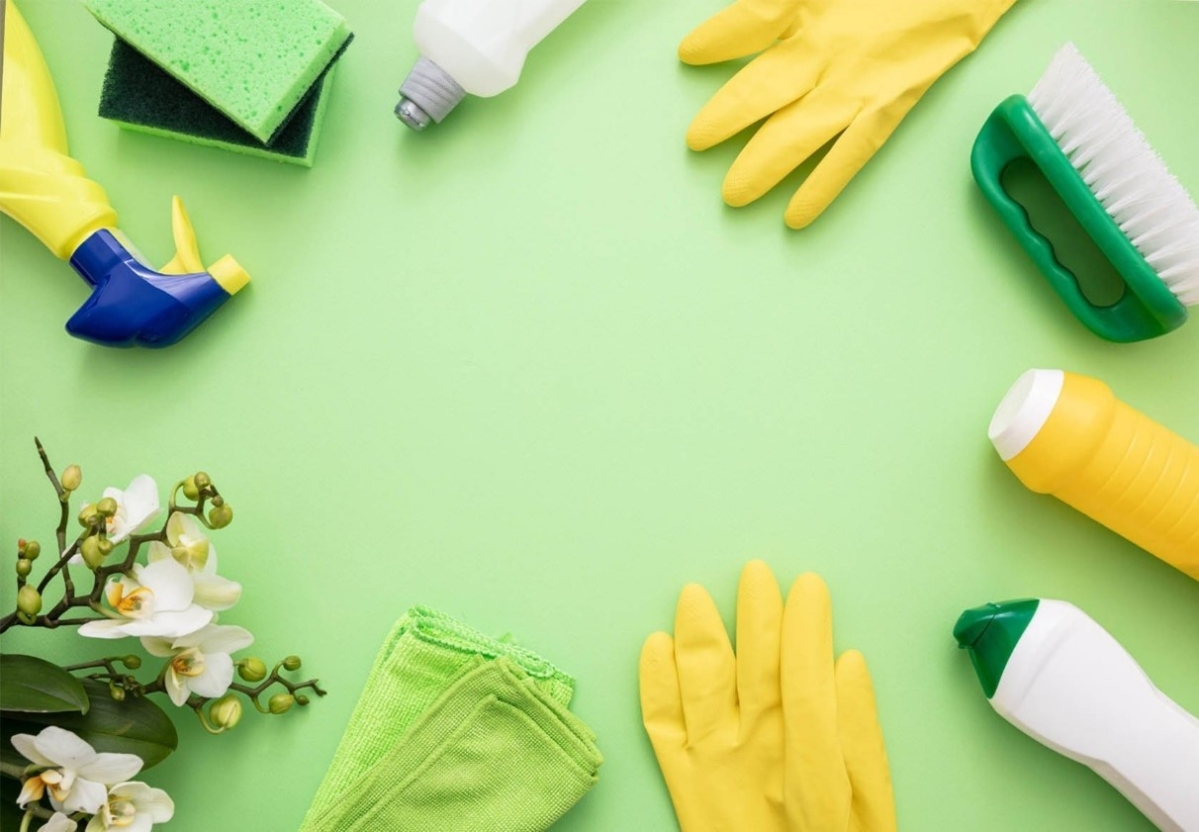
<point>226,271</point>
<point>187,250</point>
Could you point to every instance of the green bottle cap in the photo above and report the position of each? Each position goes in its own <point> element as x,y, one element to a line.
<point>990,633</point>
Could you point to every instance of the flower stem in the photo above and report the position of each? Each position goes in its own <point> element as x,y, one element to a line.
<point>107,664</point>
<point>64,496</point>
<point>14,770</point>
<point>208,726</point>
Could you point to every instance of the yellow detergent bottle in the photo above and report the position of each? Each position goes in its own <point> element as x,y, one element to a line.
<point>1069,436</point>
<point>41,186</point>
<point>47,191</point>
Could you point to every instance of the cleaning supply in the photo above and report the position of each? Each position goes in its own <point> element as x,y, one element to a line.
<point>1069,436</point>
<point>46,190</point>
<point>1059,677</point>
<point>456,731</point>
<point>139,95</point>
<point>1138,215</point>
<point>775,737</point>
<point>255,62</point>
<point>848,70</point>
<point>472,46</point>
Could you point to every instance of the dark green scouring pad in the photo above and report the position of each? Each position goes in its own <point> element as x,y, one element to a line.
<point>141,96</point>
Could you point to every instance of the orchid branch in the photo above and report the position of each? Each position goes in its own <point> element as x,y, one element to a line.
<point>194,497</point>
<point>64,496</point>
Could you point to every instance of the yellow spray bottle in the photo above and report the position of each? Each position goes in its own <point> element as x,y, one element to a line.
<point>47,191</point>
<point>1069,436</point>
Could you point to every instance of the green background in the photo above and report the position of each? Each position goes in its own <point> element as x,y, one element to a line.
<point>527,368</point>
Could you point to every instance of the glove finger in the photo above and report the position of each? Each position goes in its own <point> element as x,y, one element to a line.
<point>792,28</point>
<point>817,787</point>
<point>661,703</point>
<point>745,27</point>
<point>768,83</point>
<point>759,632</point>
<point>863,748</point>
<point>860,141</point>
<point>707,668</point>
<point>784,142</point>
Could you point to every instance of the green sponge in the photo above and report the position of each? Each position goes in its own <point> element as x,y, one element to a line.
<point>254,60</point>
<point>140,96</point>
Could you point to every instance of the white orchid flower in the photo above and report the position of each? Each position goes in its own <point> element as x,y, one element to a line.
<point>59,823</point>
<point>200,662</point>
<point>137,505</point>
<point>157,600</point>
<point>75,776</point>
<point>132,807</point>
<point>195,552</point>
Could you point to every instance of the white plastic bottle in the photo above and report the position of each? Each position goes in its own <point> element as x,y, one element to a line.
<point>472,46</point>
<point>1062,679</point>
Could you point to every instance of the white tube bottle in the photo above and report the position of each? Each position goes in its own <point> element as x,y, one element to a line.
<point>472,46</point>
<point>1062,679</point>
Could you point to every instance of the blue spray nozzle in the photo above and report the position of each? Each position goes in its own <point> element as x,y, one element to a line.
<point>134,305</point>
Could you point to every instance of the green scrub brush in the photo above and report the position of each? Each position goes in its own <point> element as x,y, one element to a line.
<point>1141,218</point>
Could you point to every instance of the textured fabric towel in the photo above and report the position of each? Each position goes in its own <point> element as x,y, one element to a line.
<point>456,731</point>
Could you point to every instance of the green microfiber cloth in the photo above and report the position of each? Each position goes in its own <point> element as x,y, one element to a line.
<point>456,731</point>
<point>138,95</point>
<point>252,60</point>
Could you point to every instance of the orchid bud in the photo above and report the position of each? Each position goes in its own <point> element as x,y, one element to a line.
<point>90,550</point>
<point>218,500</point>
<point>24,566</point>
<point>201,480</point>
<point>252,669</point>
<point>29,601</point>
<point>301,699</point>
<point>225,712</point>
<point>190,491</point>
<point>281,703</point>
<point>106,507</point>
<point>86,515</point>
<point>106,546</point>
<point>116,692</point>
<point>220,516</point>
<point>291,663</point>
<point>32,549</point>
<point>132,662</point>
<point>71,477</point>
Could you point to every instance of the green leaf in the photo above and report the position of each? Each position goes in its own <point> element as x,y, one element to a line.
<point>133,726</point>
<point>32,685</point>
<point>10,815</point>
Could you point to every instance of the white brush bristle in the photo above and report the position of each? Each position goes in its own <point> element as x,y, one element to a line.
<point>1126,175</point>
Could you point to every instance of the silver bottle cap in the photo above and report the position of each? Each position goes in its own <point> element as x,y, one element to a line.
<point>427,94</point>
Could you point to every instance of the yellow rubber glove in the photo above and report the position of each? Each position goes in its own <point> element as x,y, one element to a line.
<point>776,737</point>
<point>852,68</point>
<point>715,720</point>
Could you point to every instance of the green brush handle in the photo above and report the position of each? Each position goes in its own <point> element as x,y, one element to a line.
<point>1148,308</point>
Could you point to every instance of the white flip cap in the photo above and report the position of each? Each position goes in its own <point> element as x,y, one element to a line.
<point>1024,411</point>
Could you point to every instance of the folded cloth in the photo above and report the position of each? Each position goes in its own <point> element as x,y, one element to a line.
<point>456,731</point>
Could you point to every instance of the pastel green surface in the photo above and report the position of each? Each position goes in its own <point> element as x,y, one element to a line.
<point>252,61</point>
<point>527,368</point>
